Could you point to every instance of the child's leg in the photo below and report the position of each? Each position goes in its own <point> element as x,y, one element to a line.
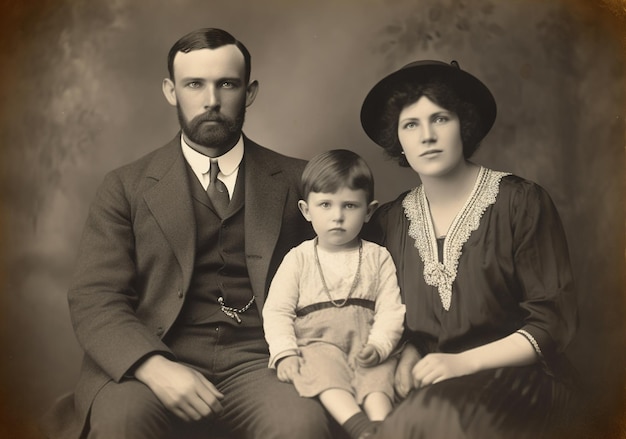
<point>343,408</point>
<point>340,404</point>
<point>377,405</point>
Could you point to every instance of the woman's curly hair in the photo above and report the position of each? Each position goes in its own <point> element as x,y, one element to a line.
<point>441,94</point>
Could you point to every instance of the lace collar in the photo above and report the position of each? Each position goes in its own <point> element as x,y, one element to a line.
<point>416,209</point>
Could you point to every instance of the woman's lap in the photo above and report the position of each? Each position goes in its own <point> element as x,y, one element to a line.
<point>511,403</point>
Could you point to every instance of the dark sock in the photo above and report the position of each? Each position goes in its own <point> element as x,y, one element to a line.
<point>370,430</point>
<point>357,424</point>
<point>373,427</point>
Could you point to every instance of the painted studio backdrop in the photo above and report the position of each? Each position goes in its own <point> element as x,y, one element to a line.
<point>81,94</point>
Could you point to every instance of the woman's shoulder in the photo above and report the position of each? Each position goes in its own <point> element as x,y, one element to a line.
<point>515,181</point>
<point>395,205</point>
<point>515,185</point>
<point>388,220</point>
<point>522,195</point>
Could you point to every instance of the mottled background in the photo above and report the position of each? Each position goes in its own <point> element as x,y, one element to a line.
<point>80,94</point>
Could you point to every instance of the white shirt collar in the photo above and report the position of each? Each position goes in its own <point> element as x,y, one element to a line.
<point>200,163</point>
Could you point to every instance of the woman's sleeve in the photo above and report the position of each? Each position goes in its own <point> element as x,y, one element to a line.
<point>543,269</point>
<point>279,310</point>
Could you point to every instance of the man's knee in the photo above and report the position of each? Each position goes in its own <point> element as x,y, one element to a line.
<point>282,414</point>
<point>304,420</point>
<point>260,406</point>
<point>128,410</point>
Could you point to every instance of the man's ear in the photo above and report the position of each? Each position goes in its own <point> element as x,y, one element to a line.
<point>251,92</point>
<point>304,208</point>
<point>169,91</point>
<point>371,208</point>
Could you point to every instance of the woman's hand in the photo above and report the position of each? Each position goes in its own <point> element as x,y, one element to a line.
<point>510,351</point>
<point>287,368</point>
<point>368,356</point>
<point>434,368</point>
<point>403,380</point>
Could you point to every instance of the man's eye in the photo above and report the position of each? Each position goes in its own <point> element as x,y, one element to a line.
<point>228,84</point>
<point>194,84</point>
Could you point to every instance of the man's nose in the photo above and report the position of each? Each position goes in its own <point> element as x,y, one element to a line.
<point>211,98</point>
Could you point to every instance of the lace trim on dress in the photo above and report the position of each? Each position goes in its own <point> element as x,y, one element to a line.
<point>532,341</point>
<point>421,229</point>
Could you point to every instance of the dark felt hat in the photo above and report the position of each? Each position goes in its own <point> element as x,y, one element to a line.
<point>468,87</point>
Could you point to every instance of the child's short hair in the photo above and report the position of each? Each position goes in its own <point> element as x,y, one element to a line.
<point>331,170</point>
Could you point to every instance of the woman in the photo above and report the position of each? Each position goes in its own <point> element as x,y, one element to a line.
<point>482,264</point>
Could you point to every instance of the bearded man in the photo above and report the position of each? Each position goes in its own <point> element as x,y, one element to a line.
<point>176,258</point>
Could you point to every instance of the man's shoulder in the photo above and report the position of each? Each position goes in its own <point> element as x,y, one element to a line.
<point>164,154</point>
<point>155,163</point>
<point>272,156</point>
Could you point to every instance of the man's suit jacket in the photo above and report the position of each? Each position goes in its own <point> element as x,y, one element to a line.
<point>136,260</point>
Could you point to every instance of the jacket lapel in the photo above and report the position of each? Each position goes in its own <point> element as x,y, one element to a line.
<point>169,201</point>
<point>266,194</point>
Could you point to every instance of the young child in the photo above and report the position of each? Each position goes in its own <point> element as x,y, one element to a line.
<point>333,314</point>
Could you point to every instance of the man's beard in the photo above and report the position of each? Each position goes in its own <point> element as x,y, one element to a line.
<point>224,132</point>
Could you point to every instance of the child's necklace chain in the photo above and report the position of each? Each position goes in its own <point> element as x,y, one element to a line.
<point>342,302</point>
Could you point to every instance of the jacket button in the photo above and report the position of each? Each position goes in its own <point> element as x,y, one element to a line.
<point>180,294</point>
<point>159,331</point>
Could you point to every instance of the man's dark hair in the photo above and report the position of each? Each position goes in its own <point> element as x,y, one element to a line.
<point>207,38</point>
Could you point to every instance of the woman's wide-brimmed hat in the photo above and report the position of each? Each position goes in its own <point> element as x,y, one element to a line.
<point>467,86</point>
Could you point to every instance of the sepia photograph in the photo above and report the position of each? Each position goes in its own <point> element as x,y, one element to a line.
<point>333,219</point>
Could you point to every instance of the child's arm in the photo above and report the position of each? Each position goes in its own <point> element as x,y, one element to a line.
<point>279,311</point>
<point>389,311</point>
<point>368,356</point>
<point>287,367</point>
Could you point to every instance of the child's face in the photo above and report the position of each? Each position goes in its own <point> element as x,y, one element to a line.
<point>337,217</point>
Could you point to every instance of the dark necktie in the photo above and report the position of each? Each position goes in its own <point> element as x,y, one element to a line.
<point>217,190</point>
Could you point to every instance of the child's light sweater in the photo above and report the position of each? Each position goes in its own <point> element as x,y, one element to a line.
<point>297,284</point>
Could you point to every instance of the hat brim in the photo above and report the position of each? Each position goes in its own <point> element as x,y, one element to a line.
<point>468,88</point>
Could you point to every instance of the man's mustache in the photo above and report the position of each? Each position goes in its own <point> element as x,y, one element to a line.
<point>209,116</point>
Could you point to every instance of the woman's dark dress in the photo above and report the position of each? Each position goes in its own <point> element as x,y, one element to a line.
<point>513,274</point>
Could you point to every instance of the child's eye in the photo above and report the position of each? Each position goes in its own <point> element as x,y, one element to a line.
<point>350,206</point>
<point>325,204</point>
